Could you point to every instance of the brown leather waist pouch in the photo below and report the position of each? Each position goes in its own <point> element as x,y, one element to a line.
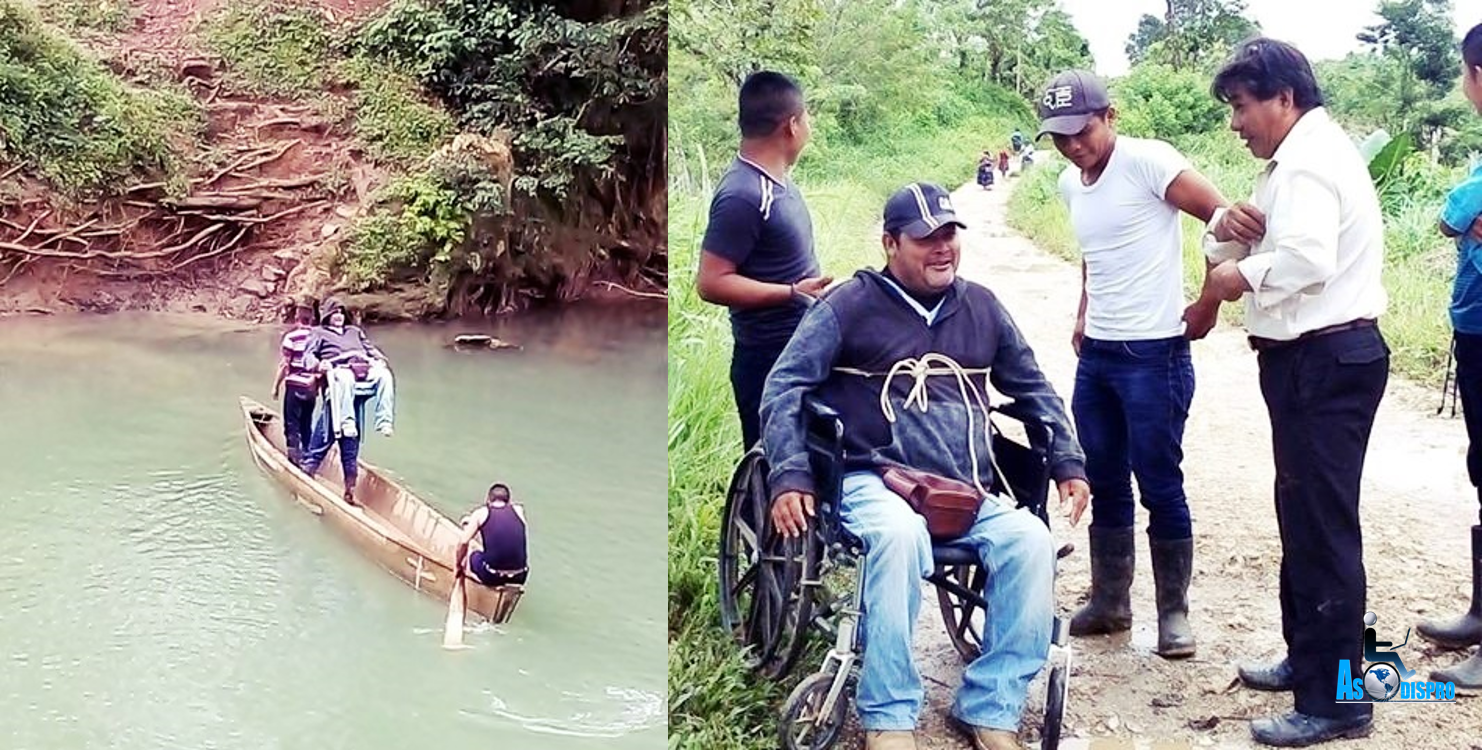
<point>950,507</point>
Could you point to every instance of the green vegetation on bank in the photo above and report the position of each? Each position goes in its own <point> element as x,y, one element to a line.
<point>66,118</point>
<point>102,15</point>
<point>560,101</point>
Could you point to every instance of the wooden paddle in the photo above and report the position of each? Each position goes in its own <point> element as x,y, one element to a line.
<point>457,604</point>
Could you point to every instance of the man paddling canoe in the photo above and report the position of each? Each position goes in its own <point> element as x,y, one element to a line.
<point>501,523</point>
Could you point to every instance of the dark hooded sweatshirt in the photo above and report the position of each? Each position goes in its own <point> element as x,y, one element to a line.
<point>866,326</point>
<point>327,343</point>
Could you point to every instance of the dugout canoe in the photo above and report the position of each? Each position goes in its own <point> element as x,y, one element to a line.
<point>397,529</point>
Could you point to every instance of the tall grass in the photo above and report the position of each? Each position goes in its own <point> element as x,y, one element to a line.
<point>1419,262</point>
<point>714,702</point>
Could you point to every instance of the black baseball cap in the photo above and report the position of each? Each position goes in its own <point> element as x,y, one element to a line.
<point>1070,101</point>
<point>919,209</point>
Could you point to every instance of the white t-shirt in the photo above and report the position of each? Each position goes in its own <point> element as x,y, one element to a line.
<point>1131,240</point>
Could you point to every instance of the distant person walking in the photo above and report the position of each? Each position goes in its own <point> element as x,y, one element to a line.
<point>757,254</point>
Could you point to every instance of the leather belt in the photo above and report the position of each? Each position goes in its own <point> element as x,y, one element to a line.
<point>1262,344</point>
<point>494,572</point>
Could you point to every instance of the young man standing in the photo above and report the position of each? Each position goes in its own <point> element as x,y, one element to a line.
<point>757,254</point>
<point>1135,379</point>
<point>1459,219</point>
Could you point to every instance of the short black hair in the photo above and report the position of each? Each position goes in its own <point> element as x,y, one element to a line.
<point>767,99</point>
<point>1471,47</point>
<point>498,493</point>
<point>1264,67</point>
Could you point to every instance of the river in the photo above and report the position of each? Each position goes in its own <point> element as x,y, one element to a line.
<point>157,590</point>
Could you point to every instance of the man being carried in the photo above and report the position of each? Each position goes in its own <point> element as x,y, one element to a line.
<point>876,349</point>
<point>352,365</point>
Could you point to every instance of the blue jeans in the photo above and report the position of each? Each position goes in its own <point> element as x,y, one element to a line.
<point>323,437</point>
<point>1130,404</point>
<point>1016,550</point>
<point>345,394</point>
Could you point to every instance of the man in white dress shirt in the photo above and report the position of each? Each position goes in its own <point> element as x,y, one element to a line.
<point>1305,252</point>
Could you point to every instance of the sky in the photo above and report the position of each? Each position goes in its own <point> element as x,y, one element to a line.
<point>1322,29</point>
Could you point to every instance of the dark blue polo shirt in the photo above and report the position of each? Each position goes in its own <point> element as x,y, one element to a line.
<point>762,226</point>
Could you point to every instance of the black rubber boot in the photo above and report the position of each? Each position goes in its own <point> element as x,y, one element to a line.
<point>1110,608</point>
<point>1466,630</point>
<point>1173,566</point>
<point>1467,674</point>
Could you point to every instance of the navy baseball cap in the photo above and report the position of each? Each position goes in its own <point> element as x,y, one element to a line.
<point>1070,101</point>
<point>919,209</point>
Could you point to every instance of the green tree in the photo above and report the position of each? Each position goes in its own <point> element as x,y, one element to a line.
<point>1191,32</point>
<point>1416,37</point>
<point>1014,43</point>
<point>1159,101</point>
<point>733,38</point>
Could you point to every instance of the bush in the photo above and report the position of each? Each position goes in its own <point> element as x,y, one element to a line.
<point>70,120</point>
<point>1157,101</point>
<point>103,15</point>
<point>272,47</point>
<point>422,227</point>
<point>391,115</point>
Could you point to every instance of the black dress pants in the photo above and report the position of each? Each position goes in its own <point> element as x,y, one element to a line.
<point>1321,394</point>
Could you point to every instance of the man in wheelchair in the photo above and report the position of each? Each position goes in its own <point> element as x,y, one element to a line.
<point>880,349</point>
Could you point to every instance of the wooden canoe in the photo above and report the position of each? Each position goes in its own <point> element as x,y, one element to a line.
<point>396,528</point>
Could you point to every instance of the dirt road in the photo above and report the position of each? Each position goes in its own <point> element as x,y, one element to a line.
<point>1417,505</point>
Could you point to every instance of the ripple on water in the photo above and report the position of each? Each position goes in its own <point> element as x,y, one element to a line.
<point>618,712</point>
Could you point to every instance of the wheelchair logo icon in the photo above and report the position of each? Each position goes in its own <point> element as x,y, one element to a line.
<point>1387,677</point>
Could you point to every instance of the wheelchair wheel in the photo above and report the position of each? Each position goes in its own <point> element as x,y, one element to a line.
<point>963,617</point>
<point>806,725</point>
<point>1058,691</point>
<point>744,526</point>
<point>763,602</point>
<point>782,606</point>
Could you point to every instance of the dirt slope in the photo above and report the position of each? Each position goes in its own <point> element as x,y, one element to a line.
<point>282,184</point>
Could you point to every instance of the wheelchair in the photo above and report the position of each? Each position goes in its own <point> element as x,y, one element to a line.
<point>775,592</point>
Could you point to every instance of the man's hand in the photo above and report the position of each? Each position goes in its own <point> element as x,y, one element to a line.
<point>1476,229</point>
<point>1078,335</point>
<point>1200,318</point>
<point>791,511</point>
<point>1226,281</point>
<point>1242,222</point>
<point>813,286</point>
<point>1074,494</point>
<point>275,391</point>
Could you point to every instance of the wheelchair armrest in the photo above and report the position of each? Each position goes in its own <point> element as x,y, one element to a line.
<point>817,409</point>
<point>1040,431</point>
